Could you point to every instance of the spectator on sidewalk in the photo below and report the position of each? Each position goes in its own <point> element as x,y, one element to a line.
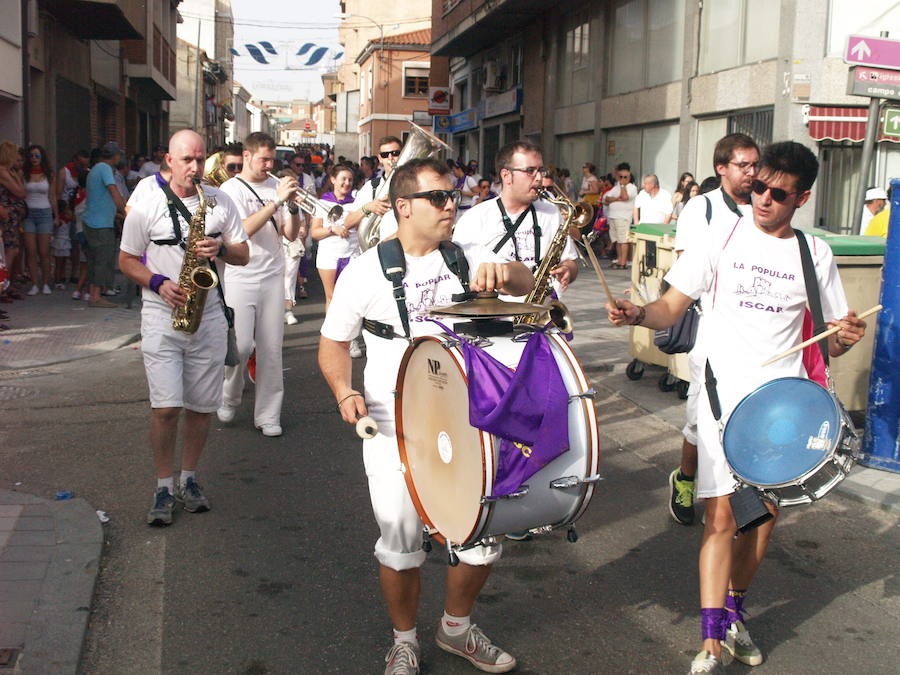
<point>590,186</point>
<point>61,245</point>
<point>154,164</point>
<point>103,203</point>
<point>620,211</point>
<point>12,196</point>
<point>876,199</point>
<point>690,191</point>
<point>40,220</point>
<point>678,196</point>
<point>653,204</point>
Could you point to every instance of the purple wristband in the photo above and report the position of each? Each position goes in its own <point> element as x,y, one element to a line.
<point>156,281</point>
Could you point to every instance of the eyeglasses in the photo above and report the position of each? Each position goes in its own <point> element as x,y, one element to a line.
<point>530,171</point>
<point>778,194</point>
<point>35,155</point>
<point>389,153</point>
<point>234,168</point>
<point>622,176</point>
<point>438,198</point>
<point>746,167</point>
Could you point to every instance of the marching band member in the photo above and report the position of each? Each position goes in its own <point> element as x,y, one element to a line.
<point>256,291</point>
<point>365,203</point>
<point>337,241</point>
<point>517,225</point>
<point>753,278</point>
<point>425,207</point>
<point>183,370</point>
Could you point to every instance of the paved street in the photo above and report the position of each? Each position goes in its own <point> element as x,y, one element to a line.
<point>279,577</point>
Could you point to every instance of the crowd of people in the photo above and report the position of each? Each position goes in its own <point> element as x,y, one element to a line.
<point>443,229</point>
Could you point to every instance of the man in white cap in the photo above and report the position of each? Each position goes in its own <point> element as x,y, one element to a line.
<point>876,198</point>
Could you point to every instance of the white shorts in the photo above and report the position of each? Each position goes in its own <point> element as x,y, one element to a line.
<point>618,230</point>
<point>184,371</point>
<point>400,545</point>
<point>327,256</point>
<point>696,368</point>
<point>714,478</point>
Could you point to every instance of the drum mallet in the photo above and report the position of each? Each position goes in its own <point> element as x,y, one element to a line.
<point>820,336</point>
<point>366,428</point>
<point>597,269</point>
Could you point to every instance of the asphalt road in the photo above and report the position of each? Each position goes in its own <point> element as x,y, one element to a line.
<point>279,577</point>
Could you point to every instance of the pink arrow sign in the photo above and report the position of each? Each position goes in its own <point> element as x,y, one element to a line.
<point>871,51</point>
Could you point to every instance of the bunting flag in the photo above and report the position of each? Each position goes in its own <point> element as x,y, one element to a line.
<point>314,53</point>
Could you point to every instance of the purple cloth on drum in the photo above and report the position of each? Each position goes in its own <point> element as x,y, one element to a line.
<point>341,264</point>
<point>527,408</point>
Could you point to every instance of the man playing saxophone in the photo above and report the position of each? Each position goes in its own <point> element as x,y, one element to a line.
<point>184,370</point>
<point>517,225</point>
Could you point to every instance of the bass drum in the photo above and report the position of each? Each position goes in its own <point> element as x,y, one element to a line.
<point>792,440</point>
<point>450,466</point>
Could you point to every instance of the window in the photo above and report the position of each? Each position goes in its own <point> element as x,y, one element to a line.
<point>574,58</point>
<point>647,44</point>
<point>415,81</point>
<point>371,81</point>
<point>515,66</point>
<point>648,150</point>
<point>459,100</point>
<point>851,17</point>
<point>724,29</point>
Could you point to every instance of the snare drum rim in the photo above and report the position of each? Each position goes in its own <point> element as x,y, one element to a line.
<point>459,362</point>
<point>826,458</point>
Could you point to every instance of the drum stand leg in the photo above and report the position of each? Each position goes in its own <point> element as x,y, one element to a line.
<point>452,558</point>
<point>572,534</point>
<point>426,541</point>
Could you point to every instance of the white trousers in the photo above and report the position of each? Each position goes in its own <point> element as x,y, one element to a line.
<point>291,267</point>
<point>258,318</point>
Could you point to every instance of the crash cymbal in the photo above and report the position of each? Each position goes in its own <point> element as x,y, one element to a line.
<point>487,305</point>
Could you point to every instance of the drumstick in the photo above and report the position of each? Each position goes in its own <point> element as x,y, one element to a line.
<point>596,264</point>
<point>820,336</point>
<point>366,428</point>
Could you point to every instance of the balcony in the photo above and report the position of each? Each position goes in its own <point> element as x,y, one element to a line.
<point>152,62</point>
<point>97,19</point>
<point>471,32</point>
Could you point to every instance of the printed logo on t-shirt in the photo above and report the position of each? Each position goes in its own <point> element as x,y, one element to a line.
<point>423,295</point>
<point>760,288</point>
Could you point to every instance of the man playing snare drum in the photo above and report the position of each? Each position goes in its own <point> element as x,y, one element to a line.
<point>425,206</point>
<point>754,279</point>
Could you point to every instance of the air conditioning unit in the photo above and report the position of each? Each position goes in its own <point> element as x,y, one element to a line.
<point>492,76</point>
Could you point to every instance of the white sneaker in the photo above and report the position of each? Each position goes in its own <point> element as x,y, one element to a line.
<point>355,349</point>
<point>34,290</point>
<point>47,290</point>
<point>270,430</point>
<point>76,295</point>
<point>226,414</point>
<point>86,296</point>
<point>290,319</point>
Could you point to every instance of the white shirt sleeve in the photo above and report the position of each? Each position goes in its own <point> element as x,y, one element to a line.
<point>135,233</point>
<point>232,227</point>
<point>691,223</point>
<point>831,290</point>
<point>693,272</point>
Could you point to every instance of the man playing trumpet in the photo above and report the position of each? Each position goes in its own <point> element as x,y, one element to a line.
<point>256,291</point>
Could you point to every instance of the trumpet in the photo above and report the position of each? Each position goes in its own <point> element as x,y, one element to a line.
<point>309,204</point>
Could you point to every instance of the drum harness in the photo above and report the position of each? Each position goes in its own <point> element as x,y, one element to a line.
<point>512,227</point>
<point>393,266</point>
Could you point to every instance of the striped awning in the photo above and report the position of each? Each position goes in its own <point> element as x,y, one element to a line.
<point>833,123</point>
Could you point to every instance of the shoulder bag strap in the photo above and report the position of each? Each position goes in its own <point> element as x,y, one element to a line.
<point>272,217</point>
<point>812,291</point>
<point>510,228</point>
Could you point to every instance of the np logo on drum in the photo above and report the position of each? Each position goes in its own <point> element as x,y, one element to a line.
<point>822,441</point>
<point>437,376</point>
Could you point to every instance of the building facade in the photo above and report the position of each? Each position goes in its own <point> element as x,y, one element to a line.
<point>656,84</point>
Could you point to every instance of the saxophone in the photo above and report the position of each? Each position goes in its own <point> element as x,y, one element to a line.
<point>573,215</point>
<point>196,278</point>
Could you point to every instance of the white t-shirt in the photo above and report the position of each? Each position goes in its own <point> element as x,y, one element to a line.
<point>754,302</point>
<point>145,188</point>
<point>364,195</point>
<point>692,224</point>
<point>653,209</point>
<point>266,251</point>
<point>469,184</point>
<point>362,292</point>
<point>333,247</point>
<point>621,210</point>
<point>483,225</point>
<point>866,219</point>
<point>148,168</point>
<point>149,220</point>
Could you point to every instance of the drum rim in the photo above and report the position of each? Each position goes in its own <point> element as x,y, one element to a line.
<point>401,444</point>
<point>812,471</point>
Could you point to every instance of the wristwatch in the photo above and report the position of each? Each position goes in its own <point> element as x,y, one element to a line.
<point>366,211</point>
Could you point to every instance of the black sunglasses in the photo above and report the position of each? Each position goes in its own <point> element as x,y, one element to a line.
<point>234,167</point>
<point>778,194</point>
<point>389,153</point>
<point>438,198</point>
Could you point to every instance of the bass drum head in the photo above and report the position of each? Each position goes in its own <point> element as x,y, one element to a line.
<point>782,431</point>
<point>443,455</point>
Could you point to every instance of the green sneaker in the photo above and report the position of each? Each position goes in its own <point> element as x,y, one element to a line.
<point>402,659</point>
<point>160,513</point>
<point>705,662</point>
<point>192,497</point>
<point>681,499</point>
<point>474,646</point>
<point>740,644</point>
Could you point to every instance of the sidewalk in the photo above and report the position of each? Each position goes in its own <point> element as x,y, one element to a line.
<point>47,329</point>
<point>50,550</point>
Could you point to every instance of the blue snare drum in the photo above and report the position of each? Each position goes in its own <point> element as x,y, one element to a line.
<point>792,440</point>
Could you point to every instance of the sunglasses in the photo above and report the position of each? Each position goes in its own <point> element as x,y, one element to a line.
<point>389,153</point>
<point>438,198</point>
<point>778,194</point>
<point>623,176</point>
<point>234,167</point>
<point>35,155</point>
<point>530,171</point>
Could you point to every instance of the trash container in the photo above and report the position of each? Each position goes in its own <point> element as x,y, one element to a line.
<point>653,256</point>
<point>859,260</point>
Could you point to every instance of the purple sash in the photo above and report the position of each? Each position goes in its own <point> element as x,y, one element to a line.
<point>526,408</point>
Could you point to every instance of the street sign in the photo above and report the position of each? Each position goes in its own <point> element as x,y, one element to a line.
<point>863,50</point>
<point>874,83</point>
<point>891,122</point>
